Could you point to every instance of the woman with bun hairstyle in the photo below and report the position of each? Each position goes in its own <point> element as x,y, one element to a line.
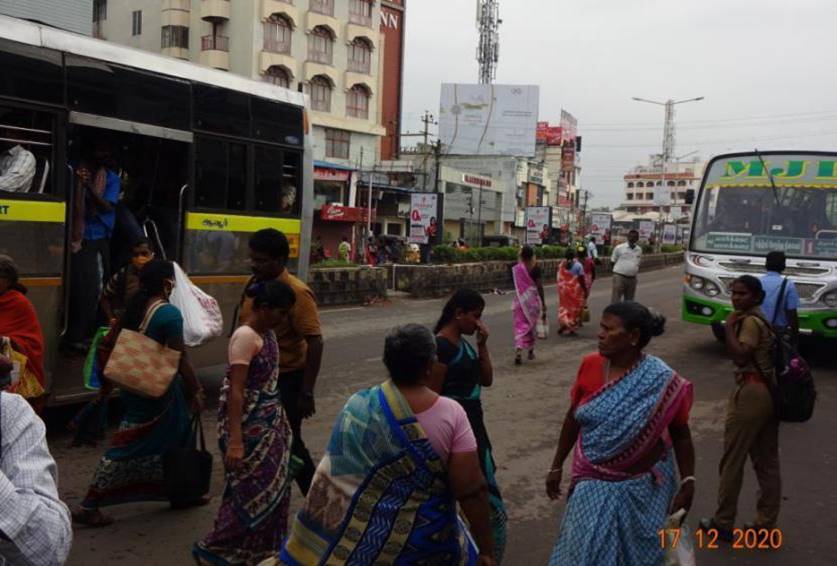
<point>628,424</point>
<point>751,427</point>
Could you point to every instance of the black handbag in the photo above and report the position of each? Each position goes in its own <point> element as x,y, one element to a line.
<point>188,470</point>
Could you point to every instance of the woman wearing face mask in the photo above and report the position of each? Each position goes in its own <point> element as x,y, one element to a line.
<point>255,438</point>
<point>125,283</point>
<point>461,373</point>
<point>628,425</point>
<point>132,468</point>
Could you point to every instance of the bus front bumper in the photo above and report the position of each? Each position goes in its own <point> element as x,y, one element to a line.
<point>704,311</point>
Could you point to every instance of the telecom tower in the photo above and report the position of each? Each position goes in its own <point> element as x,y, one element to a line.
<point>488,51</point>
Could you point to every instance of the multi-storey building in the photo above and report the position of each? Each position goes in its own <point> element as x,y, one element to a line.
<point>71,16</point>
<point>642,182</point>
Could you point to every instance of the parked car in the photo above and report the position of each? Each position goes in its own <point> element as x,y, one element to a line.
<point>500,241</point>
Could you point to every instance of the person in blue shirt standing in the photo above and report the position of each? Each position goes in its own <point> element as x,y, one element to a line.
<point>781,312</point>
<point>97,192</point>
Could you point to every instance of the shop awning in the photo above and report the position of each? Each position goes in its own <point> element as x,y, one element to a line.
<point>387,188</point>
<point>329,165</point>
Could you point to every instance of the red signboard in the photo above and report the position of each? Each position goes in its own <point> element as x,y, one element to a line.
<point>541,132</point>
<point>476,181</point>
<point>554,135</point>
<point>326,174</point>
<point>340,213</point>
<point>568,156</point>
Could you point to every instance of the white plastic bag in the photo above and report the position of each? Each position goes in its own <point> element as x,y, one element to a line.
<point>202,318</point>
<point>680,548</point>
<point>543,330</point>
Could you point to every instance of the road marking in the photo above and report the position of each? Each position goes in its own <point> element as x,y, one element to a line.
<point>329,311</point>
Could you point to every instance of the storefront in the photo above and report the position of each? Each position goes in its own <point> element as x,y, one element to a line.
<point>333,218</point>
<point>472,206</point>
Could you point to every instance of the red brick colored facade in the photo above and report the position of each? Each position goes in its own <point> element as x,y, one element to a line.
<point>392,31</point>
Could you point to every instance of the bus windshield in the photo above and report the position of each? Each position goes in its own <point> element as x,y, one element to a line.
<point>740,212</point>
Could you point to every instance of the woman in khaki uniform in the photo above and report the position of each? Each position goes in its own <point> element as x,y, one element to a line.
<point>751,427</point>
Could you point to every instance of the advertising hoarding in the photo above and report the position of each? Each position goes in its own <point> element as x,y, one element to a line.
<point>538,224</point>
<point>554,136</point>
<point>480,119</point>
<point>670,234</point>
<point>569,125</point>
<point>600,223</point>
<point>424,218</point>
<point>646,229</point>
<point>542,132</point>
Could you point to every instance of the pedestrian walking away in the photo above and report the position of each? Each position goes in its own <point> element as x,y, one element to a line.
<point>529,303</point>
<point>299,338</point>
<point>625,406</point>
<point>401,460</point>
<point>35,523</point>
<point>751,427</point>
<point>626,259</point>
<point>572,294</point>
<point>461,373</point>
<point>781,299</point>
<point>255,437</point>
<point>591,250</point>
<point>132,468</point>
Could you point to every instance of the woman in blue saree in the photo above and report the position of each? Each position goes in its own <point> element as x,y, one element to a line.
<point>132,468</point>
<point>399,459</point>
<point>628,422</point>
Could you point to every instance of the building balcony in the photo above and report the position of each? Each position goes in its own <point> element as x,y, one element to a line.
<point>268,59</point>
<point>354,30</point>
<point>270,7</point>
<point>184,5</point>
<point>215,11</point>
<point>313,69</point>
<point>176,52</point>
<point>352,79</point>
<point>215,52</point>
<point>215,43</point>
<point>313,19</point>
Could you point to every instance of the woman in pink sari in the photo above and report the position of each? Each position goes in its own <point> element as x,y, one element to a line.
<point>572,294</point>
<point>529,303</point>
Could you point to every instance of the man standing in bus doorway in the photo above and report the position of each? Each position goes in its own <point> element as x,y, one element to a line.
<point>300,342</point>
<point>626,259</point>
<point>781,300</point>
<point>94,215</point>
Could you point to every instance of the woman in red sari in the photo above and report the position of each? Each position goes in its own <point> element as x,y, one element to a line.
<point>572,294</point>
<point>19,323</point>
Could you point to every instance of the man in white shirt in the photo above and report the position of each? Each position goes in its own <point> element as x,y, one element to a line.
<point>17,167</point>
<point>592,250</point>
<point>34,524</point>
<point>626,260</point>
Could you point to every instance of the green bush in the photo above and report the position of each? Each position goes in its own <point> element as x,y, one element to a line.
<point>333,263</point>
<point>671,248</point>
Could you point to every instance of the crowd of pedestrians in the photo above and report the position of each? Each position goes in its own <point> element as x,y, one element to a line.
<point>403,456</point>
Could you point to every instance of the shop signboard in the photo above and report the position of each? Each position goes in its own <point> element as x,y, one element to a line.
<point>600,223</point>
<point>554,136</point>
<point>340,213</point>
<point>537,224</point>
<point>646,229</point>
<point>424,218</point>
<point>670,234</point>
<point>328,174</point>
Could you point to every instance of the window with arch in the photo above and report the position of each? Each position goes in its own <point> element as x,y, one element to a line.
<point>360,12</point>
<point>278,32</point>
<point>681,183</point>
<point>321,94</point>
<point>323,7</point>
<point>357,102</point>
<point>631,185</point>
<point>278,76</point>
<point>321,45</point>
<point>671,183</point>
<point>360,55</point>
<point>640,185</point>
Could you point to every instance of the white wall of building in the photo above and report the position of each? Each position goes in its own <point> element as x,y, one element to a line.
<point>71,15</point>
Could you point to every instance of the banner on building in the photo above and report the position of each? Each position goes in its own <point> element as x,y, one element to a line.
<point>554,136</point>
<point>568,156</point>
<point>541,132</point>
<point>670,234</point>
<point>538,224</point>
<point>646,229</point>
<point>600,223</point>
<point>662,195</point>
<point>489,119</point>
<point>425,221</point>
<point>569,125</point>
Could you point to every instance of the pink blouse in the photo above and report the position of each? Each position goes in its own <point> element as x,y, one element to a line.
<point>447,428</point>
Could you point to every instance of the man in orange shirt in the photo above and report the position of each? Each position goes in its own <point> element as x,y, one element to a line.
<point>299,337</point>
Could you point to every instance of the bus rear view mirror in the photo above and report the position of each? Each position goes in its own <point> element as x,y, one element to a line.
<point>690,196</point>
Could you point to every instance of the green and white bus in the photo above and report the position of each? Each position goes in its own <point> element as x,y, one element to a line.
<point>750,204</point>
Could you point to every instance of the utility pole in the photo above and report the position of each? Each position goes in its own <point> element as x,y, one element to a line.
<point>488,50</point>
<point>427,120</point>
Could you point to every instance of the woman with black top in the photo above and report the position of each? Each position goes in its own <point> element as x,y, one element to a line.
<point>461,373</point>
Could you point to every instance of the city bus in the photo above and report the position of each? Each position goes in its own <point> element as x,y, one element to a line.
<point>753,203</point>
<point>205,158</point>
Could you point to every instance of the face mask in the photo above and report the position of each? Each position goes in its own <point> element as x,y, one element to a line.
<point>140,260</point>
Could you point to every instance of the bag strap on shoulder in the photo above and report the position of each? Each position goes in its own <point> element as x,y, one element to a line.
<point>149,314</point>
<point>779,299</point>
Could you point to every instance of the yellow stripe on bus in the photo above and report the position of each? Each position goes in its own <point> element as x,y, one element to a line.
<point>31,211</point>
<point>235,223</point>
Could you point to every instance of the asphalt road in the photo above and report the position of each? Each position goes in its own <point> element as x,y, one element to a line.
<point>523,414</point>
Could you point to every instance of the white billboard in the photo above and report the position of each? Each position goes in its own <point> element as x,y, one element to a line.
<point>477,119</point>
<point>537,224</point>
<point>600,223</point>
<point>424,224</point>
<point>669,234</point>
<point>646,229</point>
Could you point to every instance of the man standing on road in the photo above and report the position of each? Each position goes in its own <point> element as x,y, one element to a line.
<point>592,250</point>
<point>626,259</point>
<point>299,337</point>
<point>780,311</point>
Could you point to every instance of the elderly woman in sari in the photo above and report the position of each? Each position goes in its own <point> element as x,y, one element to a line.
<point>628,422</point>
<point>572,294</point>
<point>529,303</point>
<point>255,438</point>
<point>21,331</point>
<point>399,459</point>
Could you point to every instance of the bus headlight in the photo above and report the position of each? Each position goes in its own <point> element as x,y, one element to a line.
<point>711,289</point>
<point>830,299</point>
<point>696,282</point>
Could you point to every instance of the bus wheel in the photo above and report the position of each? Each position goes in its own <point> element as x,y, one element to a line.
<point>719,331</point>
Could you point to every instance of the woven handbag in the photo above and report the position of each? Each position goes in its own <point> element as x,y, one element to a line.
<point>141,365</point>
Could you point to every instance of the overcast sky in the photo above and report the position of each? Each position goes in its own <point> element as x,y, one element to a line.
<point>767,69</point>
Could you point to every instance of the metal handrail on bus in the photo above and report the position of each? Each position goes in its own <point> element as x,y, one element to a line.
<point>180,225</point>
<point>68,260</point>
<point>157,241</point>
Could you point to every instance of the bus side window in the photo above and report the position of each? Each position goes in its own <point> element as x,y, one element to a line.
<point>26,151</point>
<point>221,174</point>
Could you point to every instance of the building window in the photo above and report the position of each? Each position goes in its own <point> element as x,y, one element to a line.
<point>640,185</point>
<point>360,12</point>
<point>215,41</point>
<point>136,22</point>
<point>277,34</point>
<point>175,36</point>
<point>323,7</point>
<point>278,76</point>
<point>100,10</point>
<point>357,102</point>
<point>320,45</point>
<point>631,185</point>
<point>337,143</point>
<point>630,196</point>
<point>360,56</point>
<point>649,196</point>
<point>321,94</point>
<point>671,183</point>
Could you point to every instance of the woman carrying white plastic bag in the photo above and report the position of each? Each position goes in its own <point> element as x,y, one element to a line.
<point>679,544</point>
<point>202,318</point>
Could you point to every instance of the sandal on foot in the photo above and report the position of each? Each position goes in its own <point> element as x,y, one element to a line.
<point>94,519</point>
<point>518,361</point>
<point>531,354</point>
